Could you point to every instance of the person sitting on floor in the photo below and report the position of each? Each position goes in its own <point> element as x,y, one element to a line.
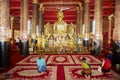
<point>110,55</point>
<point>106,65</point>
<point>41,63</point>
<point>86,70</point>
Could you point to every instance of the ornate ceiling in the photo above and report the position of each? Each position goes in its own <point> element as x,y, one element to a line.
<point>70,12</point>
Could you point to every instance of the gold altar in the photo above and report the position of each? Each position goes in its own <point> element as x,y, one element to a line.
<point>59,37</point>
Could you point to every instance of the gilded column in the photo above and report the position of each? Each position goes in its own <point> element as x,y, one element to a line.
<point>81,18</point>
<point>41,19</point>
<point>78,21</point>
<point>98,27</point>
<point>116,34</point>
<point>87,22</point>
<point>4,38</point>
<point>24,17</point>
<point>12,26</point>
<point>34,17</point>
<point>41,25</point>
<point>109,30</point>
<point>34,26</point>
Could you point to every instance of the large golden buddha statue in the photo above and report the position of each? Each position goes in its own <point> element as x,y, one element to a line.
<point>60,27</point>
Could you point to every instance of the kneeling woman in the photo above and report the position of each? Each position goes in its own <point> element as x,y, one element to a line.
<point>41,63</point>
<point>106,65</point>
<point>86,70</point>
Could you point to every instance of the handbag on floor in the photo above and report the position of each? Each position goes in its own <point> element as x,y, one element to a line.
<point>99,69</point>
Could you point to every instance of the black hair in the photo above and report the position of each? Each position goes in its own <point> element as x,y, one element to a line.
<point>83,59</point>
<point>106,56</point>
<point>40,55</point>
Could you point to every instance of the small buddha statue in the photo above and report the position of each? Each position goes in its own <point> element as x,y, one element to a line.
<point>51,40</point>
<point>60,26</point>
<point>47,29</point>
<point>67,37</point>
<point>43,41</point>
<point>71,29</point>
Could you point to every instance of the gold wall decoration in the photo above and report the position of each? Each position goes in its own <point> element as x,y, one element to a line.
<point>35,1</point>
<point>41,8</point>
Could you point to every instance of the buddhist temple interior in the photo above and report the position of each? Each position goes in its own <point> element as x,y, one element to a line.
<point>61,27</point>
<point>74,13</point>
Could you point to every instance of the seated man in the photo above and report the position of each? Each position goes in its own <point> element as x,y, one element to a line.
<point>41,63</point>
<point>86,70</point>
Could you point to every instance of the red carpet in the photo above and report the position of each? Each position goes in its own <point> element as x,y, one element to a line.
<point>30,60</point>
<point>30,73</point>
<point>74,73</point>
<point>58,59</point>
<point>90,58</point>
<point>59,67</point>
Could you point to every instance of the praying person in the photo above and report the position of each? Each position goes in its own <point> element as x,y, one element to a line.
<point>41,63</point>
<point>86,70</point>
<point>106,65</point>
<point>110,55</point>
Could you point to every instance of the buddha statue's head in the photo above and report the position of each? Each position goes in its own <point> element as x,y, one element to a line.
<point>60,15</point>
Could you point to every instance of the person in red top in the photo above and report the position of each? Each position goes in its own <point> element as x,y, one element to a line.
<point>106,65</point>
